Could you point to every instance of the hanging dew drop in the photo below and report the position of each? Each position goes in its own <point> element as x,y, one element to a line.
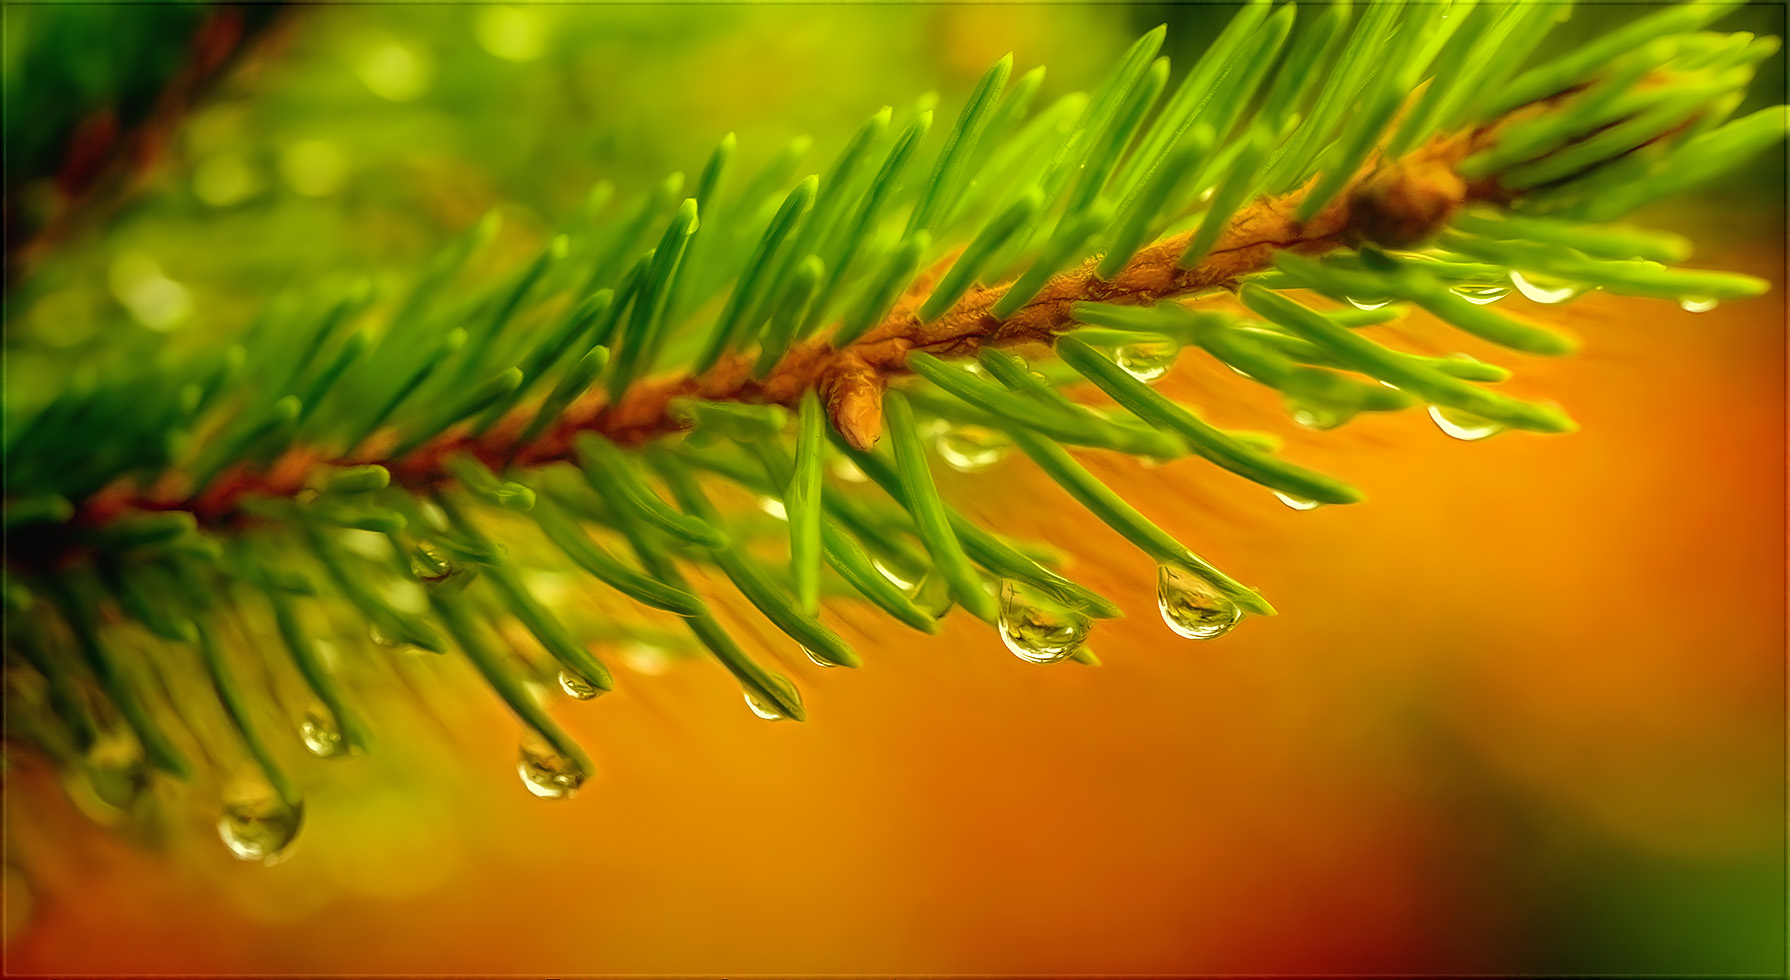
<point>1464,426</point>
<point>545,772</point>
<point>1367,304</point>
<point>1481,294</point>
<point>1146,362</point>
<point>1039,635</point>
<point>259,826</point>
<point>819,661</point>
<point>769,709</point>
<point>322,736</point>
<point>1544,293</point>
<point>764,708</point>
<point>1297,503</point>
<point>968,448</point>
<point>1314,416</point>
<point>1192,606</point>
<point>432,567</point>
<point>1697,304</point>
<point>895,578</point>
<point>577,688</point>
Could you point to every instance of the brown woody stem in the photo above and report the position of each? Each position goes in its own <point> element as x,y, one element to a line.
<point>1392,203</point>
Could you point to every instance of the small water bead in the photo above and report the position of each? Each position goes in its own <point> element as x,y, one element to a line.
<point>432,566</point>
<point>893,576</point>
<point>818,660</point>
<point>322,736</point>
<point>1697,304</point>
<point>1297,503</point>
<point>1039,635</point>
<point>1542,292</point>
<point>1146,362</point>
<point>1320,417</point>
<point>968,448</point>
<point>1481,294</point>
<point>110,779</point>
<point>1368,304</point>
<point>1464,425</point>
<point>577,688</point>
<point>767,708</point>
<point>1192,606</point>
<point>260,826</point>
<point>545,772</point>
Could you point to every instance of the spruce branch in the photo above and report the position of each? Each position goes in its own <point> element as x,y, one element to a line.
<point>859,321</point>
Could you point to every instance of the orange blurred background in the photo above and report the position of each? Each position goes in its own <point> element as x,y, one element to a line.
<point>1522,711</point>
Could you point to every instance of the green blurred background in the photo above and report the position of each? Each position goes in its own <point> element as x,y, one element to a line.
<point>1523,711</point>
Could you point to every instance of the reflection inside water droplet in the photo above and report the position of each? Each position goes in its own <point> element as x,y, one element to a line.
<point>1694,304</point>
<point>1368,304</point>
<point>968,448</point>
<point>1035,631</point>
<point>1546,291</point>
<point>1297,503</point>
<point>818,660</point>
<point>1192,606</point>
<point>762,707</point>
<point>256,825</point>
<point>545,772</point>
<point>1481,294</point>
<point>577,687</point>
<point>323,737</point>
<point>432,567</point>
<point>1464,425</point>
<point>1146,362</point>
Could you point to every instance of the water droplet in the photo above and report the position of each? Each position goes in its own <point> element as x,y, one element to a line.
<point>1146,362</point>
<point>1697,304</point>
<point>577,687</point>
<point>819,660</point>
<point>768,709</point>
<point>382,639</point>
<point>110,779</point>
<point>1192,606</point>
<point>892,575</point>
<point>762,708</point>
<point>1464,425</point>
<point>545,772</point>
<point>1297,503</point>
<point>1544,293</point>
<point>1481,294</point>
<point>323,737</point>
<point>968,448</point>
<point>1038,634</point>
<point>259,826</point>
<point>437,571</point>
<point>848,471</point>
<point>1367,304</point>
<point>773,507</point>
<point>1315,416</point>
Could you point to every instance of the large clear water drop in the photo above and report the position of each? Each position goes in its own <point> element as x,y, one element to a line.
<point>1547,291</point>
<point>1481,294</point>
<point>1146,362</point>
<point>577,687</point>
<point>1192,606</point>
<point>258,825</point>
<point>968,448</point>
<point>1464,426</point>
<point>321,734</point>
<point>545,771</point>
<point>1297,503</point>
<point>1039,634</point>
